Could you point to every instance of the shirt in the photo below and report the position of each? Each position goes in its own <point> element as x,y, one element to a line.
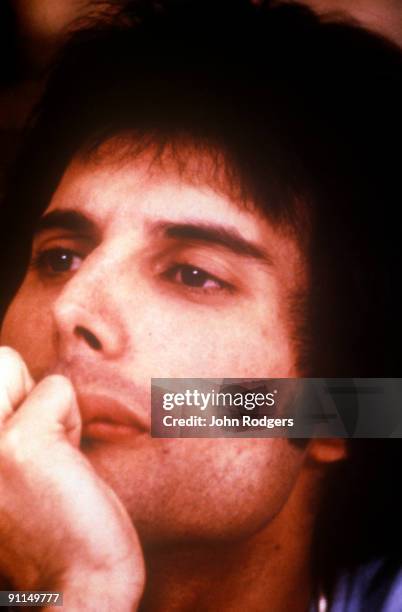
<point>373,587</point>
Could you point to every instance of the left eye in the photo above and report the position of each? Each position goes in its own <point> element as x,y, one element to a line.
<point>58,261</point>
<point>196,278</point>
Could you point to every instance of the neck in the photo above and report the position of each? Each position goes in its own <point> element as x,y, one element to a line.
<point>271,569</point>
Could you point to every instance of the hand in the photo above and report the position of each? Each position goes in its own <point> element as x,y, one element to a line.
<point>61,526</point>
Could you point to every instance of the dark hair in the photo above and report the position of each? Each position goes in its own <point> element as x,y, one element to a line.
<point>304,112</point>
<point>10,67</point>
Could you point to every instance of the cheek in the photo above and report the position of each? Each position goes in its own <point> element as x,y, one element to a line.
<point>245,481</point>
<point>28,328</point>
<point>208,343</point>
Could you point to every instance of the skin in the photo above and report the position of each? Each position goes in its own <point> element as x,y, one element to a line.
<point>116,305</point>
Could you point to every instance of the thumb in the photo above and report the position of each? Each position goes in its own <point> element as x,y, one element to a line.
<point>15,382</point>
<point>51,407</point>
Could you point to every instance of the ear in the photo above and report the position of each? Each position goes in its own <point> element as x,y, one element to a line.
<point>327,450</point>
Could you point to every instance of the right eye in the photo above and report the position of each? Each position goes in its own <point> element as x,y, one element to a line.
<point>56,261</point>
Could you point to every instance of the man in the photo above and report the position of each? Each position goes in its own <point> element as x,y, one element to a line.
<point>185,223</point>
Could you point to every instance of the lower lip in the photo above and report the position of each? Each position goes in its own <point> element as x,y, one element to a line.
<point>107,431</point>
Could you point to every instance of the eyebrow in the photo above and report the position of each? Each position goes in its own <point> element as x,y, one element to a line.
<point>70,220</point>
<point>214,234</point>
<point>204,233</point>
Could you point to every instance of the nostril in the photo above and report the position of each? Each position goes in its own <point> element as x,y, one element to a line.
<point>89,337</point>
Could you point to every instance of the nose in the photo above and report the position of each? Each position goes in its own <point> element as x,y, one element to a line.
<point>87,317</point>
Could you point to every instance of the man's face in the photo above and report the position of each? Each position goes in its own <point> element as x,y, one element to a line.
<point>139,273</point>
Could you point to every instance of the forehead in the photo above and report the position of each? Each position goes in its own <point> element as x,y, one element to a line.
<point>117,190</point>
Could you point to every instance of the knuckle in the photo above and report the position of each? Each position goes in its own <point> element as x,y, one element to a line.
<point>15,380</point>
<point>9,357</point>
<point>12,447</point>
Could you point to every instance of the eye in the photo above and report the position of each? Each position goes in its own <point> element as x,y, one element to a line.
<point>195,278</point>
<point>57,261</point>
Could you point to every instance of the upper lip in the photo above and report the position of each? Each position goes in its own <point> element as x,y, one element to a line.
<point>99,407</point>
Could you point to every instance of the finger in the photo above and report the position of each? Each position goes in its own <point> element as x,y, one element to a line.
<point>51,408</point>
<point>15,382</point>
